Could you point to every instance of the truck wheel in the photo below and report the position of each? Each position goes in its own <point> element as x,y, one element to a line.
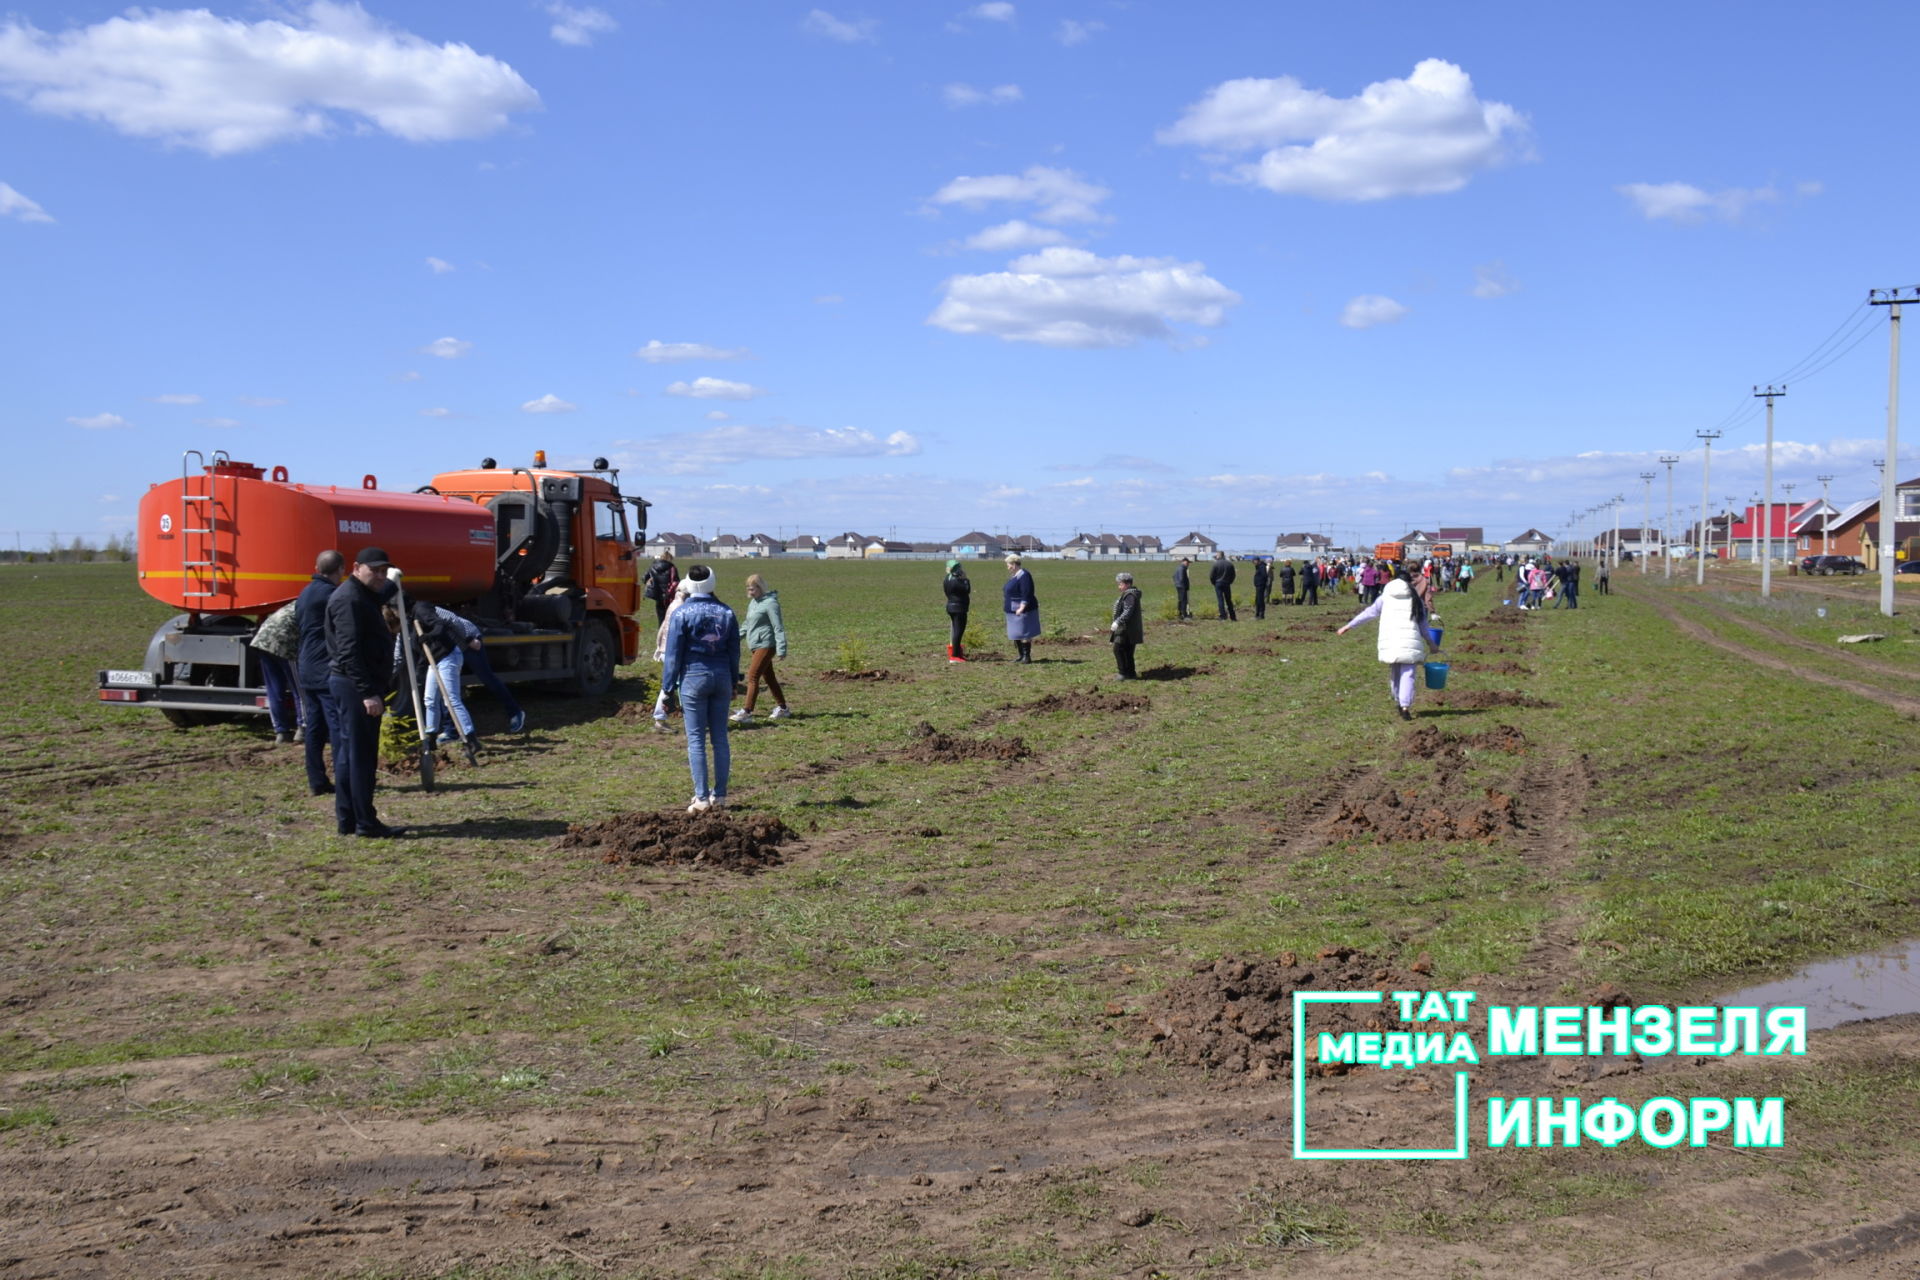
<point>183,719</point>
<point>593,671</point>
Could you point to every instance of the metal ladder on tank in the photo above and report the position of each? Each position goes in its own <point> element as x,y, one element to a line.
<point>198,505</point>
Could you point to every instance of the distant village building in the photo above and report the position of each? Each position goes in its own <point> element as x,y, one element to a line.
<point>805,545</point>
<point>975,544</point>
<point>678,545</point>
<point>726,547</point>
<point>1301,546</point>
<point>1194,546</point>
<point>1531,543</point>
<point>1633,542</point>
<point>1856,532</point>
<point>1025,544</point>
<point>848,546</point>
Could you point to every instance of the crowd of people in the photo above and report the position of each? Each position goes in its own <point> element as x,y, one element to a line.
<point>330,658</point>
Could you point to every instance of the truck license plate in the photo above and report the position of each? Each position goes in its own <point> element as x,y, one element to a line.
<point>140,679</point>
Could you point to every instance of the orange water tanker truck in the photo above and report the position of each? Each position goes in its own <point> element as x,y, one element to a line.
<point>541,558</point>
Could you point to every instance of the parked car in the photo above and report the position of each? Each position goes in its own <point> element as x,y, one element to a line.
<point>1827,566</point>
<point>1908,566</point>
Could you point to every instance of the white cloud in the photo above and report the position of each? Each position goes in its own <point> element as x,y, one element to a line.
<point>177,397</point>
<point>1072,298</point>
<point>717,415</point>
<point>1685,203</point>
<point>222,423</point>
<point>993,11</point>
<point>447,348</point>
<point>693,452</point>
<point>439,413</point>
<point>1424,135</point>
<point>222,85</point>
<point>1008,237</point>
<point>1059,195</point>
<point>100,422</point>
<point>411,375</point>
<point>260,402</point>
<point>578,27</point>
<point>965,95</point>
<point>1370,309</point>
<point>439,266</point>
<point>1071,32</point>
<point>548,403</point>
<point>658,352</point>
<point>821,23</point>
<point>715,389</point>
<point>1113,462</point>
<point>1491,280</point>
<point>15,205</point>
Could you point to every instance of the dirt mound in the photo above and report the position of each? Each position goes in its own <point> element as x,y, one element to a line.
<point>877,675</point>
<point>1506,667</point>
<point>1237,1016</point>
<point>408,766</point>
<point>1089,703</point>
<point>1328,626</point>
<point>1054,640</point>
<point>1255,650</point>
<point>1385,815</point>
<point>1505,615</point>
<point>930,746</point>
<point>712,839</point>
<point>1480,698</point>
<point>1428,741</point>
<point>1304,638</point>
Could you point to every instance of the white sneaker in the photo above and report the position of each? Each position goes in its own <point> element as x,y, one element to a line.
<point>741,716</point>
<point>719,802</point>
<point>699,805</point>
<point>778,713</point>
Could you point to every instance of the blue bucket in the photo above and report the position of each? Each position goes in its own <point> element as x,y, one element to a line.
<point>1433,636</point>
<point>1436,674</point>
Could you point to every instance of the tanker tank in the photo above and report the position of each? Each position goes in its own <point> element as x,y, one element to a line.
<point>230,539</point>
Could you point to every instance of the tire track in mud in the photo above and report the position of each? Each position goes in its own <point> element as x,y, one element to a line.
<point>133,766</point>
<point>1906,705</point>
<point>1846,657</point>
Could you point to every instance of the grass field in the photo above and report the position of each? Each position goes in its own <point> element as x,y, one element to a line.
<point>233,1040</point>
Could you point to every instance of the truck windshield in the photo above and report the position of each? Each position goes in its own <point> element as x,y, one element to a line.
<point>610,520</point>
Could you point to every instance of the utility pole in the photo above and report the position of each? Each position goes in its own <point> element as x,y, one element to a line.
<point>1891,300</point>
<point>1666,530</point>
<point>1766,509</point>
<point>1731,501</point>
<point>1646,516</point>
<point>1826,516</point>
<point>1706,471</point>
<point>1786,525</point>
<point>1756,538</point>
<point>1619,500</point>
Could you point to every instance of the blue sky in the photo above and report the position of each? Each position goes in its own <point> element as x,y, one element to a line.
<point>924,268</point>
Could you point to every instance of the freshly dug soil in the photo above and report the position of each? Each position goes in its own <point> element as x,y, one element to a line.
<point>1428,741</point>
<point>1505,613</point>
<point>1480,698</point>
<point>1505,667</point>
<point>1088,703</point>
<point>1256,650</point>
<point>1057,640</point>
<point>1166,672</point>
<point>930,746</point>
<point>1236,1015</point>
<point>1385,815</point>
<point>1298,637</point>
<point>711,839</point>
<point>408,766</point>
<point>876,675</point>
<point>1490,646</point>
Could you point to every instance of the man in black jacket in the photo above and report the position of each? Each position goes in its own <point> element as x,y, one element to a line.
<point>310,622</point>
<point>1309,582</point>
<point>1222,579</point>
<point>1262,584</point>
<point>1180,585</point>
<point>360,671</point>
<point>1128,628</point>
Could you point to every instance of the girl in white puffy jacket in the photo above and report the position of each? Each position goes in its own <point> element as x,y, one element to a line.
<point>1403,637</point>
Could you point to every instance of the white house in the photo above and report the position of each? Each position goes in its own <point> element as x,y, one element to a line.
<point>975,544</point>
<point>1195,546</point>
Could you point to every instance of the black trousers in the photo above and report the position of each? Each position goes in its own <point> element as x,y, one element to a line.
<point>956,628</point>
<point>1260,591</point>
<point>1311,593</point>
<point>1182,593</point>
<point>356,757</point>
<point>1123,659</point>
<point>1223,600</point>
<point>317,711</point>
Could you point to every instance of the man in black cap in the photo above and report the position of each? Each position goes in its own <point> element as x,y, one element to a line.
<point>360,671</point>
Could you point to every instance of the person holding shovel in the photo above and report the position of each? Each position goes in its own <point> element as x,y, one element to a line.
<point>1402,643</point>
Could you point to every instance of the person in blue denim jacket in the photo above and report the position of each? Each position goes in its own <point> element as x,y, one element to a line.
<point>703,667</point>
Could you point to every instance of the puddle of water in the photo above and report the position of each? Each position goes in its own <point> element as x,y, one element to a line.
<point>1874,984</point>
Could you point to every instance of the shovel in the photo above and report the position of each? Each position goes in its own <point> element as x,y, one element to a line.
<point>446,696</point>
<point>413,684</point>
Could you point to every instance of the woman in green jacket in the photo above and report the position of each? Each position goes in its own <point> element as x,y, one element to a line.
<point>766,639</point>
